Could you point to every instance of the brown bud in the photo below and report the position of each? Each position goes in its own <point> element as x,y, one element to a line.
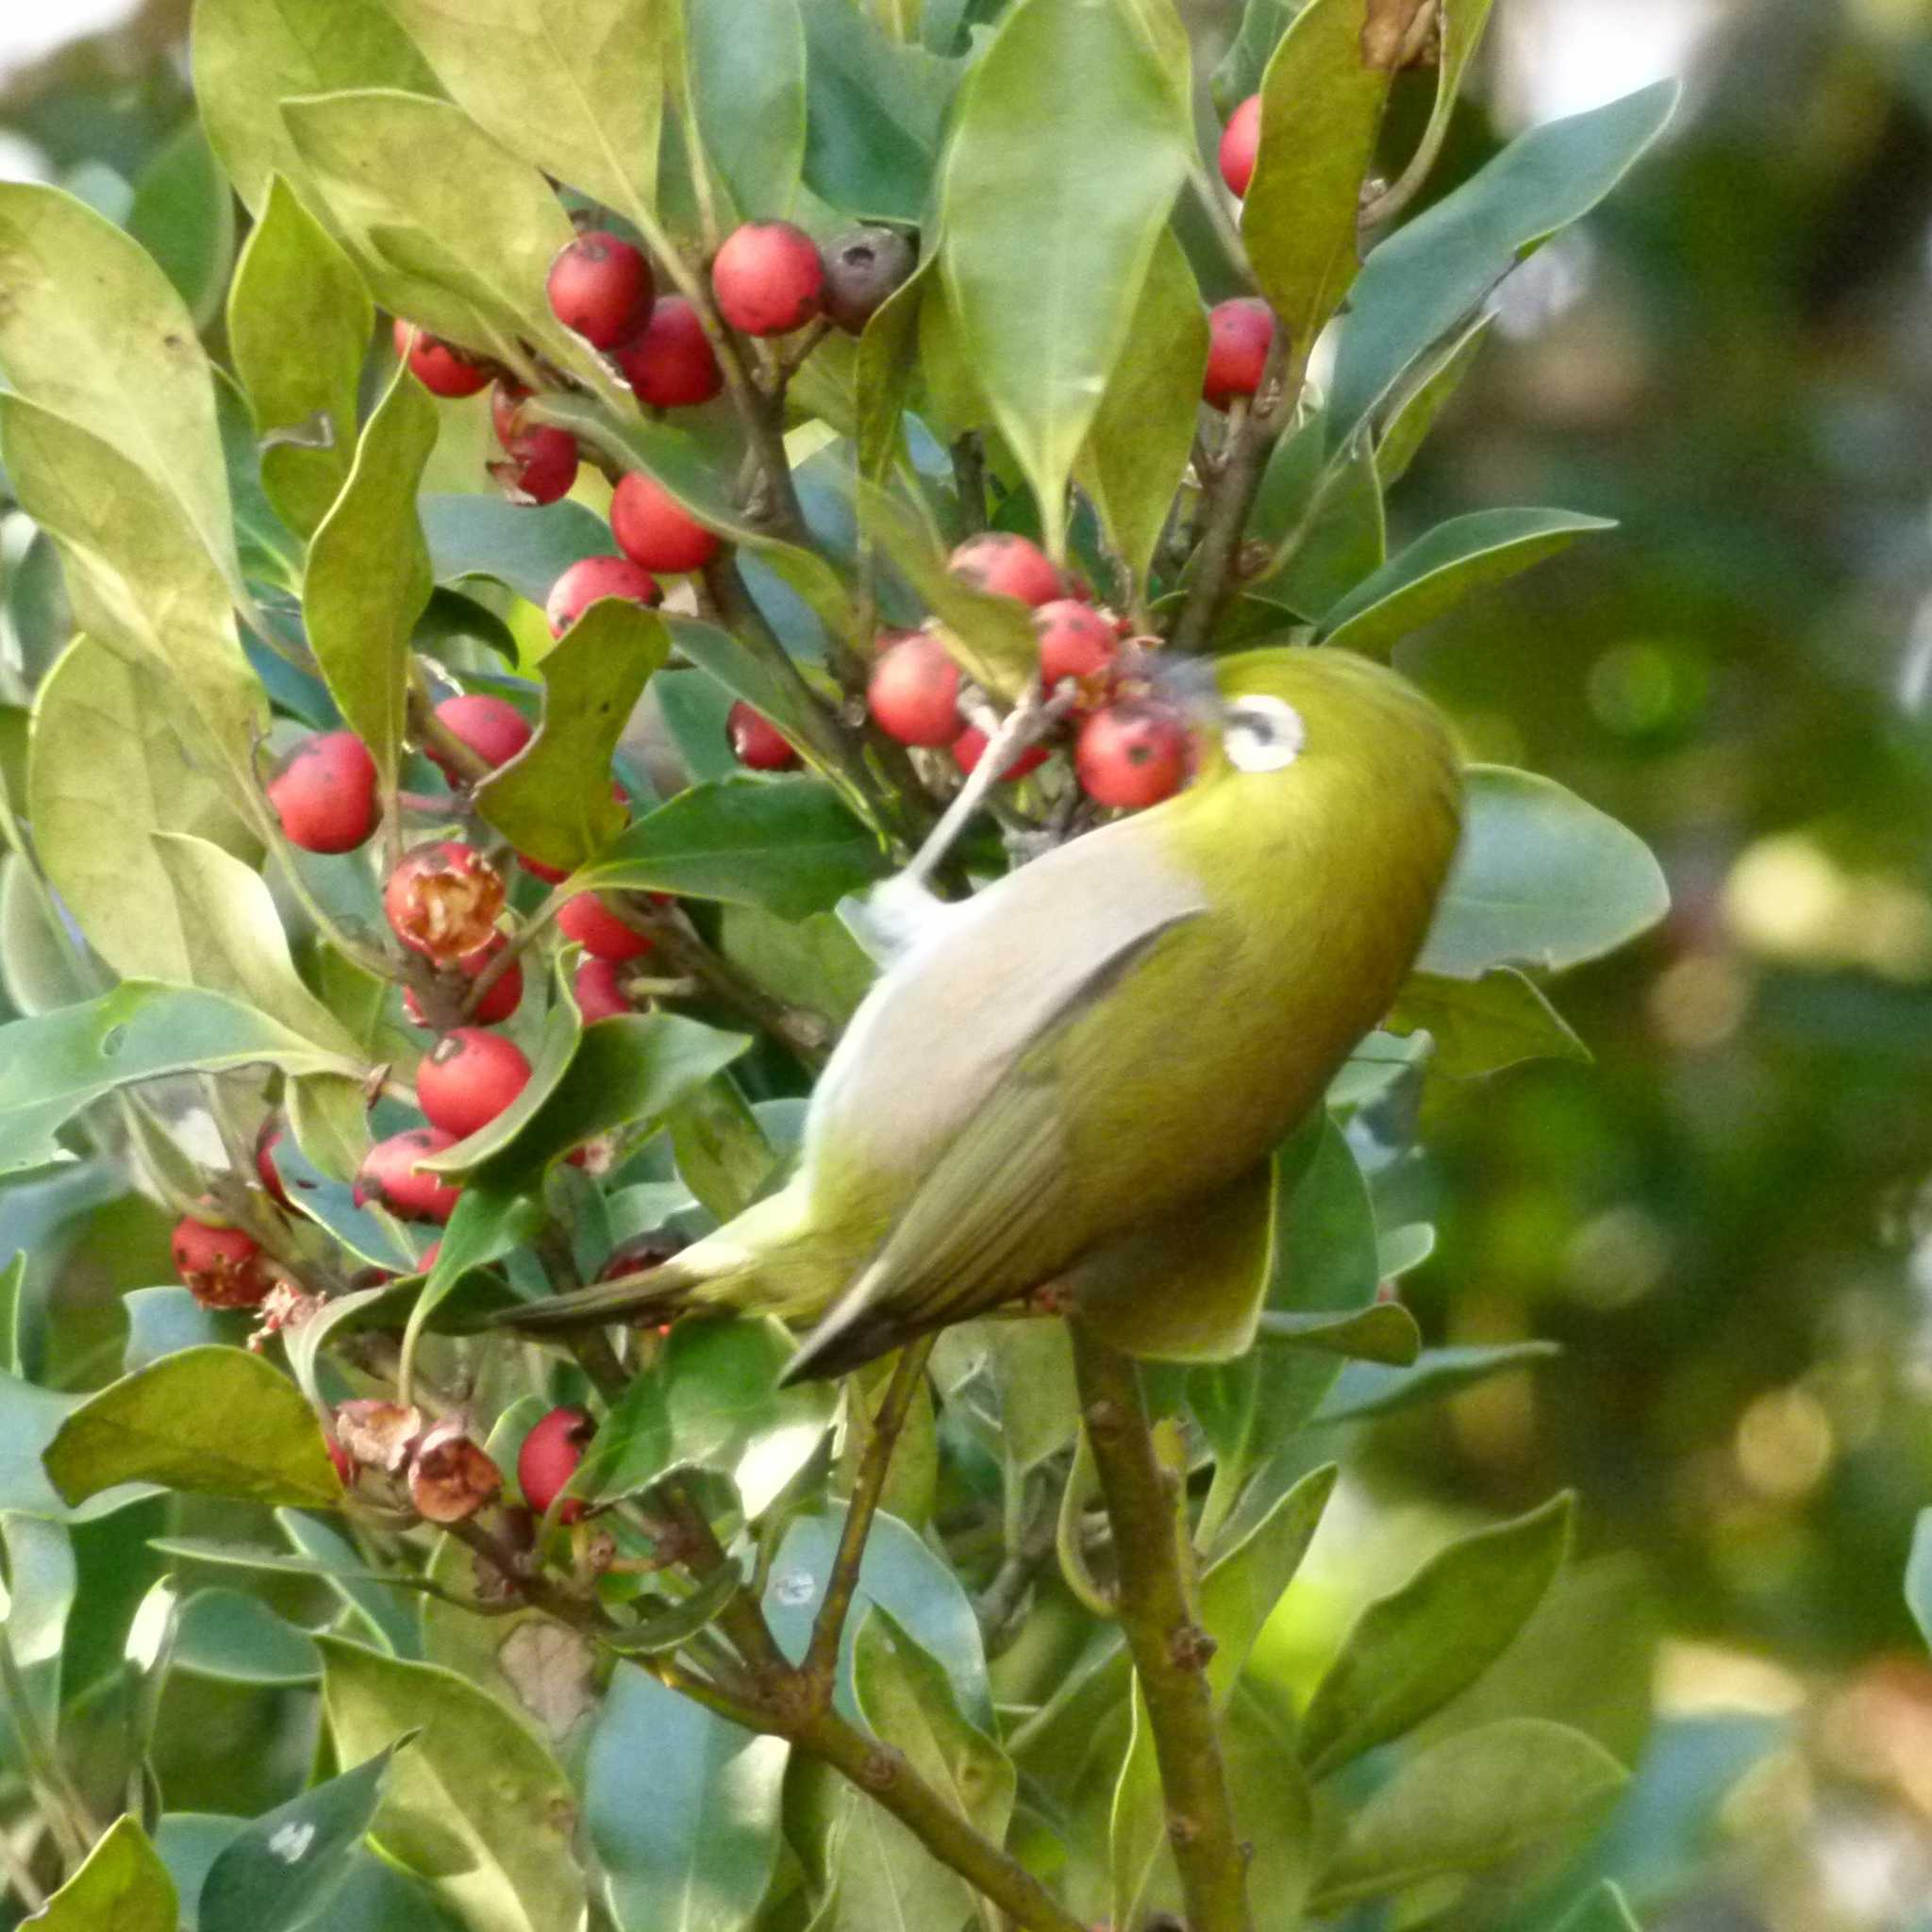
<point>863,269</point>
<point>451,1479</point>
<point>378,1435</point>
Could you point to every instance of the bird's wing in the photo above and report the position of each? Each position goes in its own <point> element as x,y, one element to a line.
<point>988,1204</point>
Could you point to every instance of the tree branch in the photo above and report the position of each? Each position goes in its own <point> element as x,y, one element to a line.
<point>1170,1649</point>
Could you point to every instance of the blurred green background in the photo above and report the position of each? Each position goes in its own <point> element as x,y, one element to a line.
<point>1728,1221</point>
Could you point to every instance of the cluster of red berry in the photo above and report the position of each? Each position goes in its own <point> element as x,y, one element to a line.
<point>1130,748</point>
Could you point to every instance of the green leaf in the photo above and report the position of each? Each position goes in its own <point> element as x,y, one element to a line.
<point>184,216</point>
<point>1482,1026</point>
<point>747,80</point>
<point>553,800</point>
<point>1410,1653</point>
<point>221,1555</point>
<point>1273,1809</point>
<point>249,59</point>
<point>218,1421</point>
<point>899,1572</point>
<point>374,1606</point>
<point>1604,1910</point>
<point>786,844</point>
<point>30,1418</point>
<point>43,1581</point>
<point>1239,1592</point>
<point>1365,1390</point>
<point>874,112</point>
<point>235,1639</point>
<point>1459,32</point>
<point>140,580</point>
<point>450,230</point>
<point>1143,436</point>
<point>477,1805</point>
<point>1468,1802</point>
<point>1413,415</point>
<point>1431,275</point>
<point>992,638</point>
<point>37,965</point>
<point>369,577</point>
<point>1439,571</point>
<point>92,331</point>
<point>726,1412</point>
<point>1919,1575</point>
<point>1321,111</point>
<point>277,1872</point>
<point>1053,198</point>
<point>721,1150</point>
<point>1342,536</point>
<point>123,1885</point>
<point>111,762</point>
<point>632,1447</point>
<point>299,320</point>
<point>575,86</point>
<point>1384,1333</point>
<point>1263,23</point>
<point>55,1065</point>
<point>526,548</point>
<point>162,1322</point>
<point>812,962</point>
<point>682,1807</point>
<point>1541,879</point>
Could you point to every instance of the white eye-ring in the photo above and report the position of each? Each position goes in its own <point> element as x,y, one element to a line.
<point>1262,735</point>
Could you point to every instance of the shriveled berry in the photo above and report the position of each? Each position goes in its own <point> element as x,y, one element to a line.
<point>970,747</point>
<point>767,279</point>
<point>325,793</point>
<point>1240,141</point>
<point>493,728</point>
<point>222,1267</point>
<point>549,1458</point>
<point>388,1176</point>
<point>601,287</point>
<point>913,691</point>
<point>267,1138</point>
<point>655,530</point>
<point>672,365</point>
<point>541,466</point>
<point>507,400</point>
<point>599,989</point>
<point>585,918</point>
<point>1075,641</point>
<point>1240,334</point>
<point>450,1477</point>
<point>442,900</point>
<point>440,367</point>
<point>863,269</point>
<point>468,1079</point>
<point>1132,754</point>
<point>591,578</point>
<point>506,993</point>
<point>756,743</point>
<point>1007,565</point>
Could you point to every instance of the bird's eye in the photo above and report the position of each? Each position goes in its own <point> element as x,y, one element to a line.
<point>1262,735</point>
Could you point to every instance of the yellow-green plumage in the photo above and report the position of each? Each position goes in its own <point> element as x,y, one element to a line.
<point>1077,1076</point>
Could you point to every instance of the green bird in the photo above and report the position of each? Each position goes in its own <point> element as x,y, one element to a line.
<point>1076,1079</point>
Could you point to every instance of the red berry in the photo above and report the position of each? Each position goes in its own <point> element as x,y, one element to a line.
<point>1240,334</point>
<point>756,742</point>
<point>591,578</point>
<point>222,1267</point>
<point>441,367</point>
<point>469,1079</point>
<point>654,529</point>
<point>267,1139</point>
<point>599,989</point>
<point>494,728</point>
<point>506,993</point>
<point>1004,565</point>
<point>767,279</point>
<point>442,900</point>
<point>325,793</point>
<point>914,690</point>
<point>1075,641</point>
<point>1131,755</point>
<point>585,918</point>
<point>672,365</point>
<point>970,747</point>
<point>541,467</point>
<point>549,1458</point>
<point>388,1176</point>
<point>339,1457</point>
<point>601,287</point>
<point>1239,140</point>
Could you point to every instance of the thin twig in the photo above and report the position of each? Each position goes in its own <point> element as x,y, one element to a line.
<point>881,1440</point>
<point>807,1034</point>
<point>1170,1649</point>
